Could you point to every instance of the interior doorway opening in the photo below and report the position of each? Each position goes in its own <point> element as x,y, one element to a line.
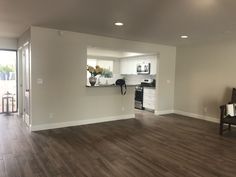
<point>8,81</point>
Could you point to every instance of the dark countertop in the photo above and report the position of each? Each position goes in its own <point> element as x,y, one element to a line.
<point>150,86</point>
<point>113,85</point>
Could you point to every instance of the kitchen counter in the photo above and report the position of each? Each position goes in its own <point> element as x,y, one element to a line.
<point>112,85</point>
<point>149,86</point>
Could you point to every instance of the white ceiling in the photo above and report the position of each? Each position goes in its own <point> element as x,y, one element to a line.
<point>157,21</point>
<point>94,51</point>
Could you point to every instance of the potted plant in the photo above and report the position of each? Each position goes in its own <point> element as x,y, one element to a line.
<point>94,72</point>
<point>107,73</point>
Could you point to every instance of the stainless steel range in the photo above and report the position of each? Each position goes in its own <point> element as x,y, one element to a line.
<point>148,83</point>
<point>138,97</point>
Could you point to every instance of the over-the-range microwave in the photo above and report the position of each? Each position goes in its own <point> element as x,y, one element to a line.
<point>143,68</point>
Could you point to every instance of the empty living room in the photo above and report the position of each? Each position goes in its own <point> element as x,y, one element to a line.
<point>129,88</point>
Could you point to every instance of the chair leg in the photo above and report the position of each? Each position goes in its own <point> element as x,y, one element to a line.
<point>221,128</point>
<point>229,127</point>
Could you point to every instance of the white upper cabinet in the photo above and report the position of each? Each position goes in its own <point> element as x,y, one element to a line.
<point>153,61</point>
<point>123,66</point>
<point>128,66</point>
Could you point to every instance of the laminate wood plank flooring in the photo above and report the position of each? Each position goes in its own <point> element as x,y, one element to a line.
<point>147,146</point>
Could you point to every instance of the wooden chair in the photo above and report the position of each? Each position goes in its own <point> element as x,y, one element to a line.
<point>226,119</point>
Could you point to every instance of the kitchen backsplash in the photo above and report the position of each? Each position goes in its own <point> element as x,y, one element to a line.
<point>137,79</point>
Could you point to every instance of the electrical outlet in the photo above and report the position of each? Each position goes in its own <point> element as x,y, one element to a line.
<point>205,109</point>
<point>51,115</point>
<point>123,108</point>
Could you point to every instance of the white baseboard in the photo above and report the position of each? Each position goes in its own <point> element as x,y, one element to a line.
<point>163,112</point>
<point>197,116</point>
<point>188,114</point>
<point>80,122</point>
<point>114,118</point>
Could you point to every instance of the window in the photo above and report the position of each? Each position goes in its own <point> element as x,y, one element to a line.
<point>8,80</point>
<point>105,64</point>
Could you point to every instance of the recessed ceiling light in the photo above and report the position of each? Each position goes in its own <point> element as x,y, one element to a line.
<point>119,23</point>
<point>184,37</point>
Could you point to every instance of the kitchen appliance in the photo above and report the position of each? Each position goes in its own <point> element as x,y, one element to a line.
<point>139,97</point>
<point>148,83</point>
<point>143,68</point>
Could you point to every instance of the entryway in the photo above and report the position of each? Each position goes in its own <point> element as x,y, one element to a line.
<point>24,83</point>
<point>8,81</point>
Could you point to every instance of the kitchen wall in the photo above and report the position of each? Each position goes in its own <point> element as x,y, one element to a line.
<point>205,76</point>
<point>59,59</point>
<point>133,79</point>
<point>8,43</point>
<point>116,69</point>
<point>116,62</point>
<point>137,79</point>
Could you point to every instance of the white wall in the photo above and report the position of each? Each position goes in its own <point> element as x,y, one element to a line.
<point>25,38</point>
<point>166,80</point>
<point>8,43</point>
<point>205,76</point>
<point>61,61</point>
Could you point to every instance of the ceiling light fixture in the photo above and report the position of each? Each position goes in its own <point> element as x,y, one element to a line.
<point>184,37</point>
<point>119,23</point>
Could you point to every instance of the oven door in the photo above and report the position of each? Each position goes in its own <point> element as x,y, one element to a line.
<point>138,105</point>
<point>139,98</point>
<point>139,95</point>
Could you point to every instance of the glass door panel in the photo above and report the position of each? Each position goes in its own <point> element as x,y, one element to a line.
<point>8,81</point>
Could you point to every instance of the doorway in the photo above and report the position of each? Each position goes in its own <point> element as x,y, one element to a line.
<point>8,81</point>
<point>25,52</point>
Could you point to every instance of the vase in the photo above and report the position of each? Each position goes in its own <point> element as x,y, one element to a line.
<point>92,80</point>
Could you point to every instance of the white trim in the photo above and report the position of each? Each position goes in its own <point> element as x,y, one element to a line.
<point>163,112</point>
<point>188,114</point>
<point>80,122</point>
<point>25,44</point>
<point>197,116</point>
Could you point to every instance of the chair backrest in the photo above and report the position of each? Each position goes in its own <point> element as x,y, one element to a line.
<point>233,98</point>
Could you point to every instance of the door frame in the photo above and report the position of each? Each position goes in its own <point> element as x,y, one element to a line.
<point>14,50</point>
<point>23,62</point>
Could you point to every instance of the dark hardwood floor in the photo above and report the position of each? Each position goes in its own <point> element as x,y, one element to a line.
<point>165,146</point>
